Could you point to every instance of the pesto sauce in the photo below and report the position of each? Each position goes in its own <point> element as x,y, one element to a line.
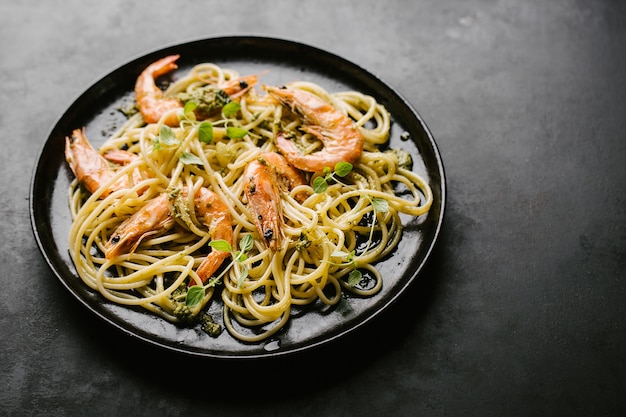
<point>208,99</point>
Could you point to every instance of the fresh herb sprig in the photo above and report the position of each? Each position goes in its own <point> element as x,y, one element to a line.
<point>228,111</point>
<point>355,276</point>
<point>231,109</point>
<point>379,205</point>
<point>205,132</point>
<point>195,294</point>
<point>341,169</point>
<point>166,137</point>
<point>205,129</point>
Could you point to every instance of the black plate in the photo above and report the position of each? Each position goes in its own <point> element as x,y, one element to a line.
<point>97,109</point>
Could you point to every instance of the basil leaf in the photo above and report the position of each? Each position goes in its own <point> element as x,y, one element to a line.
<point>195,294</point>
<point>236,132</point>
<point>205,132</point>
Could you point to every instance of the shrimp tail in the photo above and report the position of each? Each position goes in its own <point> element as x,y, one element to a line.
<point>210,264</point>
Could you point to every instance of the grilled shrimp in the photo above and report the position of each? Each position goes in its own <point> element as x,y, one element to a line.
<point>341,138</point>
<point>264,179</point>
<point>153,105</point>
<point>92,169</point>
<point>156,217</point>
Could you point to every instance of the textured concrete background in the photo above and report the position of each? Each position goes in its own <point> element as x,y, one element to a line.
<point>521,311</point>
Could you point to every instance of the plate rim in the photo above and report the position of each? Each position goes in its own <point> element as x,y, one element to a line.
<point>397,293</point>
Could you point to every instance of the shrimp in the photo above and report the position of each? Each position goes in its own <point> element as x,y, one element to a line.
<point>151,219</point>
<point>288,177</point>
<point>92,169</point>
<point>156,217</point>
<point>341,138</point>
<point>215,215</point>
<point>264,178</point>
<point>153,105</point>
<point>149,96</point>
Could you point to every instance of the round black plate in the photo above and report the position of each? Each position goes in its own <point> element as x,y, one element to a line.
<point>280,61</point>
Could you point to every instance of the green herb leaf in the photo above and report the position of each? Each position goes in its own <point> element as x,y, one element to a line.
<point>343,168</point>
<point>231,109</point>
<point>354,277</point>
<point>236,132</point>
<point>243,276</point>
<point>246,242</point>
<point>320,185</point>
<point>195,294</point>
<point>220,245</point>
<point>240,256</point>
<point>190,106</point>
<point>380,205</point>
<point>167,136</point>
<point>190,159</point>
<point>205,132</point>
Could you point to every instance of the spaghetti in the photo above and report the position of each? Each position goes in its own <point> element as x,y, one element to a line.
<point>334,225</point>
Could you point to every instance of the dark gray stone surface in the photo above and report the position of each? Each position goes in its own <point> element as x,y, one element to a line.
<point>521,311</point>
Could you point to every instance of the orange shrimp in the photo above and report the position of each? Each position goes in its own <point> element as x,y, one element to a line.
<point>92,169</point>
<point>149,96</point>
<point>341,138</point>
<point>153,105</point>
<point>288,177</point>
<point>215,215</point>
<point>264,178</point>
<point>151,219</point>
<point>156,217</point>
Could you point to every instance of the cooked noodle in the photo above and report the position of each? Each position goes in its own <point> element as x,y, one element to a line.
<point>327,236</point>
